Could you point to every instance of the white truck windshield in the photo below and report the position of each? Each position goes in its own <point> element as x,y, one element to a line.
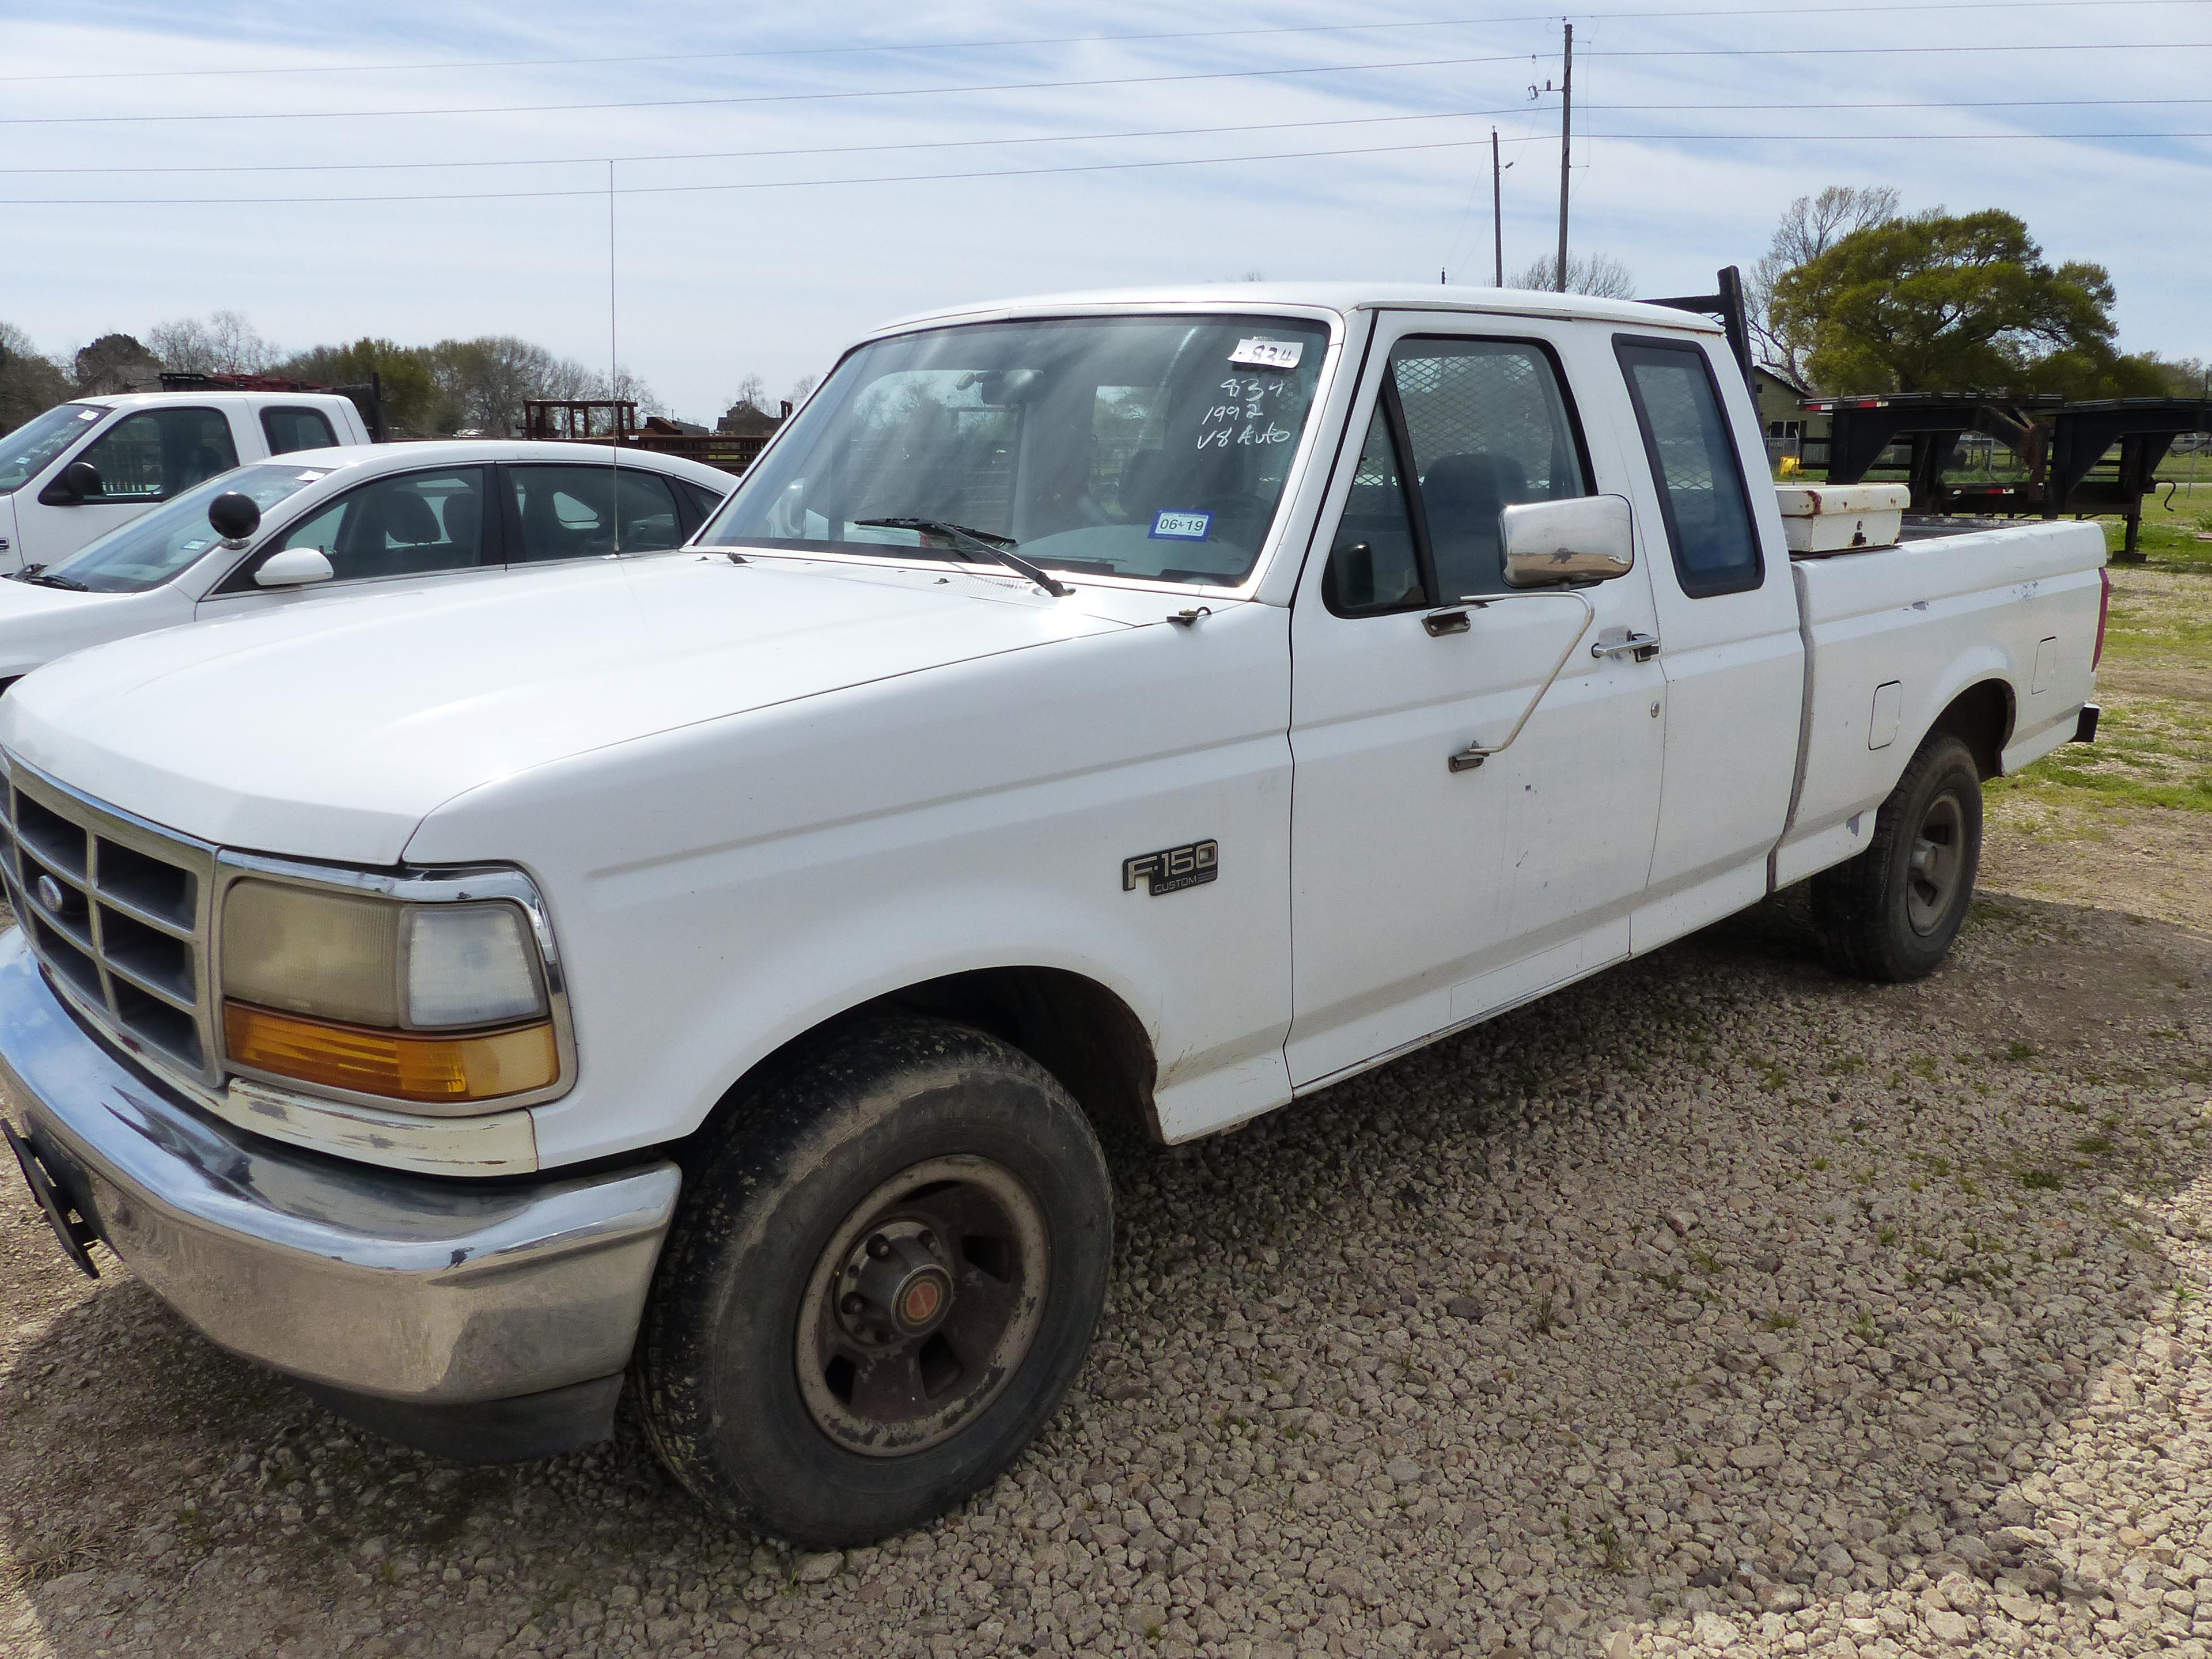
<point>1154,448</point>
<point>25,452</point>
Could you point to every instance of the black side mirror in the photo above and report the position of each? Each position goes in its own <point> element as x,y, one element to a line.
<point>234,514</point>
<point>78,484</point>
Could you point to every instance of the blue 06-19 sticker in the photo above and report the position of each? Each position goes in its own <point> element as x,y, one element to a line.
<point>1182,527</point>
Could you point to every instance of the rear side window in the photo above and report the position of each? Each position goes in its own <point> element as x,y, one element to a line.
<point>1695,466</point>
<point>586,512</point>
<point>159,452</point>
<point>288,429</point>
<point>702,501</point>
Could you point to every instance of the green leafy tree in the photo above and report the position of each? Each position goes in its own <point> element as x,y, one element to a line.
<point>1810,226</point>
<point>1954,303</point>
<point>415,404</point>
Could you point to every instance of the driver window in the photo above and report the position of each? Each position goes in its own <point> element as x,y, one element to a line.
<point>1490,429</point>
<point>404,526</point>
<point>161,453</point>
<point>1373,567</point>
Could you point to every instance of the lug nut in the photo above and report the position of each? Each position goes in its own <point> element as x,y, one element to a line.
<point>928,1241</point>
<point>880,1246</point>
<point>854,1305</point>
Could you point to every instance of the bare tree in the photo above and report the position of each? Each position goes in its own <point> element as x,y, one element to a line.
<point>30,382</point>
<point>226,344</point>
<point>802,389</point>
<point>1809,228</point>
<point>1600,274</point>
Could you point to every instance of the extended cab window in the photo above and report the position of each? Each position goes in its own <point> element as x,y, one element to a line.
<point>290,430</point>
<point>159,452</point>
<point>583,512</point>
<point>405,526</point>
<point>1695,466</point>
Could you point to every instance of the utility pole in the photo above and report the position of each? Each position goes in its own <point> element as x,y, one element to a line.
<point>1566,143</point>
<point>1497,208</point>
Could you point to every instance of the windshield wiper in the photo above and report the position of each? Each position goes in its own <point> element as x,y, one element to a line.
<point>46,578</point>
<point>1000,548</point>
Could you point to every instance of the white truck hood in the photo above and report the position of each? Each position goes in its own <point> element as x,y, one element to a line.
<point>330,730</point>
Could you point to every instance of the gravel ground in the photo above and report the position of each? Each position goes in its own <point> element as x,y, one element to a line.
<point>1718,1305</point>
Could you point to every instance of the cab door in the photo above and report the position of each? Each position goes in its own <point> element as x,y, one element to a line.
<point>144,460</point>
<point>1425,895</point>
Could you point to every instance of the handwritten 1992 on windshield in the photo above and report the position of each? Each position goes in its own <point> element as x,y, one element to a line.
<point>1249,406</point>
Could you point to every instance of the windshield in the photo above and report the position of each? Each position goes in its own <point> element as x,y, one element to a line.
<point>149,551</point>
<point>1154,448</point>
<point>25,452</point>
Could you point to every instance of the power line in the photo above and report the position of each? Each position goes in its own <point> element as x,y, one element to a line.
<point>1980,49</point>
<point>1093,167</point>
<point>1085,137</point>
<point>2008,6</point>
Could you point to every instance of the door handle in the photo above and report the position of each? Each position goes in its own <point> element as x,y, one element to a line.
<point>1441,623</point>
<point>1642,647</point>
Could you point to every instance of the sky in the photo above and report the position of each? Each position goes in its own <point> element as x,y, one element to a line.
<point>140,146</point>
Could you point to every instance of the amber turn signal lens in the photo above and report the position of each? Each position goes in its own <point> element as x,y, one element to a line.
<point>400,1065</point>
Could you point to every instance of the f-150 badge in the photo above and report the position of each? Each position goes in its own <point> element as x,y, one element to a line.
<point>1173,869</point>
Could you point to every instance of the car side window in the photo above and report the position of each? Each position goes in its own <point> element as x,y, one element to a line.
<point>409,526</point>
<point>1374,565</point>
<point>288,430</point>
<point>1695,466</point>
<point>159,452</point>
<point>583,512</point>
<point>1489,428</point>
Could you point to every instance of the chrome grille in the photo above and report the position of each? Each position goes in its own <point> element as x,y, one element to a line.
<point>117,911</point>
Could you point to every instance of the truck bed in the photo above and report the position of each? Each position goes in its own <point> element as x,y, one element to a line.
<point>1893,635</point>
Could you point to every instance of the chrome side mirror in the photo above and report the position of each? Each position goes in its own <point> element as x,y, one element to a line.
<point>295,566</point>
<point>1587,538</point>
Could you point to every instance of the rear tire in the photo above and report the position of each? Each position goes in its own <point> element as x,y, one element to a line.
<point>884,1275</point>
<point>1890,914</point>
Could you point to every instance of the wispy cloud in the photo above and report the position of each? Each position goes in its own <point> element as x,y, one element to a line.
<point>714,283</point>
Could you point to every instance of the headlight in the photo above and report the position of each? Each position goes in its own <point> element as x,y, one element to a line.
<point>429,1002</point>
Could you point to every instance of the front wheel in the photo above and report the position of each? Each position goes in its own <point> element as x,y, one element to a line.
<point>1891,913</point>
<point>884,1278</point>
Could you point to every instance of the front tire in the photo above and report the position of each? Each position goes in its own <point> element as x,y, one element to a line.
<point>1890,914</point>
<point>884,1276</point>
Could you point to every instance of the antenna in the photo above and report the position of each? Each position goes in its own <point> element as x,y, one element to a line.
<point>1567,144</point>
<point>614,371</point>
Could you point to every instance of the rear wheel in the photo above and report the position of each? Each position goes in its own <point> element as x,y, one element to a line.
<point>884,1278</point>
<point>1891,913</point>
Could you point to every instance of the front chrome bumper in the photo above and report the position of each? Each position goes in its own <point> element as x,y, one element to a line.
<point>406,1288</point>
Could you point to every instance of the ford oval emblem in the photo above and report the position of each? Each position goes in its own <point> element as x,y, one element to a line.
<point>50,894</point>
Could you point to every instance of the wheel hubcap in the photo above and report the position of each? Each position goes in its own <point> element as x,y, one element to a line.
<point>921,1306</point>
<point>1938,851</point>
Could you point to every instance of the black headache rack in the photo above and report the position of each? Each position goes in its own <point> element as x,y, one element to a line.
<point>2060,446</point>
<point>1725,303</point>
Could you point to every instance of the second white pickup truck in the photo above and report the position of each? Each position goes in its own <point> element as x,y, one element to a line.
<point>85,468</point>
<point>705,970</point>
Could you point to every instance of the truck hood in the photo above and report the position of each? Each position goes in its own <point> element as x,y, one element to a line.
<point>330,730</point>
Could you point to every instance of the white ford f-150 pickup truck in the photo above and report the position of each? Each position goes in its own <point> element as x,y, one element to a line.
<point>707,970</point>
<point>84,468</point>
